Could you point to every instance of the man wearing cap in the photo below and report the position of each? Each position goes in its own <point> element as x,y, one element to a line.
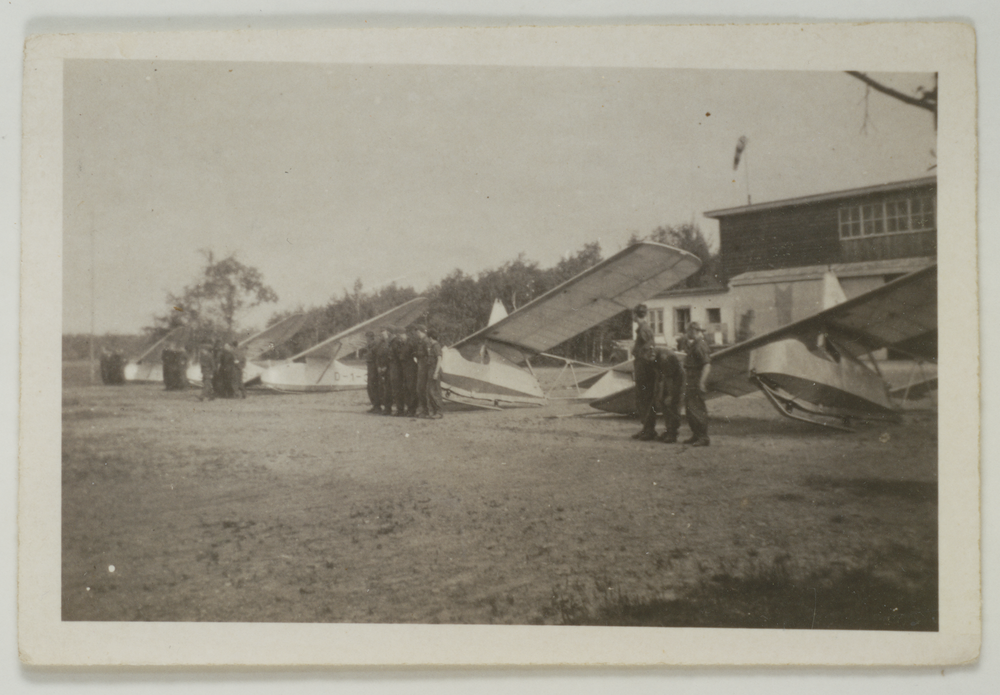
<point>207,360</point>
<point>397,348</point>
<point>409,365</point>
<point>697,366</point>
<point>644,374</point>
<point>422,356</point>
<point>373,386</point>
<point>434,357</point>
<point>382,359</point>
<point>238,388</point>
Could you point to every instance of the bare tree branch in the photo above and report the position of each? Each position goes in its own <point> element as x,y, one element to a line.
<point>928,100</point>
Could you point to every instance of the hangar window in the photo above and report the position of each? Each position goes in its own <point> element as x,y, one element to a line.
<point>897,216</point>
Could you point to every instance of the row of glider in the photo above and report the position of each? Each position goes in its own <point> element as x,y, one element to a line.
<point>819,369</point>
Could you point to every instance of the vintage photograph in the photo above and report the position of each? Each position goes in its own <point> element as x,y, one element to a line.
<point>364,342</point>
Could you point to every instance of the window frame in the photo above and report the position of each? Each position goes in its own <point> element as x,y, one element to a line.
<point>914,214</point>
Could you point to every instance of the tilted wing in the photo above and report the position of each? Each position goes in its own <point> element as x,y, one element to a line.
<point>153,352</point>
<point>901,315</point>
<point>597,294</point>
<point>270,338</point>
<point>353,338</point>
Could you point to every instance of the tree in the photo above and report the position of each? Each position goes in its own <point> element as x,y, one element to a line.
<point>211,305</point>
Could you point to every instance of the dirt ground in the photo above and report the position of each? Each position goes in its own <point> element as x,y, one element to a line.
<point>306,508</point>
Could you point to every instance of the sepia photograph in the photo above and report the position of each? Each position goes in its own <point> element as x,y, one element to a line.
<point>575,344</point>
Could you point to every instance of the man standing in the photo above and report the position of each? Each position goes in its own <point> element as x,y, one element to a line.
<point>206,358</point>
<point>382,360</point>
<point>409,364</point>
<point>105,366</point>
<point>181,361</point>
<point>423,355</point>
<point>374,392</point>
<point>434,354</point>
<point>667,393</point>
<point>697,366</point>
<point>236,373</point>
<point>396,386</point>
<point>168,366</point>
<point>644,373</point>
<point>224,372</point>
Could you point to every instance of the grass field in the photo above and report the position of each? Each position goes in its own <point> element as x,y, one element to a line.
<point>306,508</point>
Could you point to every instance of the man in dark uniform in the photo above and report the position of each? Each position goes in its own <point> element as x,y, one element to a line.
<point>409,365</point>
<point>397,347</point>
<point>697,367</point>
<point>422,354</point>
<point>667,393</point>
<point>382,360</point>
<point>206,358</point>
<point>236,386</point>
<point>644,374</point>
<point>374,388</point>
<point>105,366</point>
<point>223,382</point>
<point>434,354</point>
<point>116,367</point>
<point>181,361</point>
<point>169,366</point>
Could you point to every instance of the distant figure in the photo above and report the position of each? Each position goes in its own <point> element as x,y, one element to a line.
<point>105,366</point>
<point>225,363</point>
<point>667,393</point>
<point>206,358</point>
<point>697,367</point>
<point>371,361</point>
<point>167,359</point>
<point>434,354</point>
<point>236,386</point>
<point>181,365</point>
<point>383,358</point>
<point>423,375</point>
<point>396,385</point>
<point>116,368</point>
<point>409,364</point>
<point>644,374</point>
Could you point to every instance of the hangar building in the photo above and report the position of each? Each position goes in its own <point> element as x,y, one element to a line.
<point>776,254</point>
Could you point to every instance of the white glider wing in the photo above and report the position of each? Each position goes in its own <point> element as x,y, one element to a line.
<point>595,295</point>
<point>271,337</point>
<point>353,338</point>
<point>901,315</point>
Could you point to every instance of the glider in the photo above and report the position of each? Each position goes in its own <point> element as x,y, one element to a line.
<point>491,367</point>
<point>318,369</point>
<point>812,370</point>
<point>253,348</point>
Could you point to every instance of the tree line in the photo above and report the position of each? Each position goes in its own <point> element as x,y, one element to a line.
<point>459,304</point>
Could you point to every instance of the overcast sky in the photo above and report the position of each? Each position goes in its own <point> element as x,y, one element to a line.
<point>322,174</point>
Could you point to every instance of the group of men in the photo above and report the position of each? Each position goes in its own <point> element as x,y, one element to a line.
<point>222,371</point>
<point>660,379</point>
<point>112,367</point>
<point>404,372</point>
<point>175,365</point>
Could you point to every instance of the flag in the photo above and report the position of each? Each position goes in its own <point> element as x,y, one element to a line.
<point>741,145</point>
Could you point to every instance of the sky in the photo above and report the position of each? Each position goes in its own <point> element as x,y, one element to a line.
<point>321,174</point>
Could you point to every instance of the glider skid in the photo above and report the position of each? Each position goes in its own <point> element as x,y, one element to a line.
<point>795,409</point>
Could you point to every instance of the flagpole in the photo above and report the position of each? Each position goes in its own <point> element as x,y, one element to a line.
<point>746,168</point>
